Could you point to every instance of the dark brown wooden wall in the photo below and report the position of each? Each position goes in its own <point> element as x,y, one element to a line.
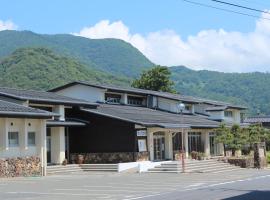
<point>102,134</point>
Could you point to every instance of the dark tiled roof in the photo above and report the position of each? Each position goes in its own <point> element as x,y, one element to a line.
<point>257,119</point>
<point>41,96</point>
<point>183,98</point>
<point>13,109</point>
<point>149,117</point>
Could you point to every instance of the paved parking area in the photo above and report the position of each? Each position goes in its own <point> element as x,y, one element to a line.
<point>124,186</point>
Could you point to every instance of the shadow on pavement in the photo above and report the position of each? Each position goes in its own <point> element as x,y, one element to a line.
<point>253,195</point>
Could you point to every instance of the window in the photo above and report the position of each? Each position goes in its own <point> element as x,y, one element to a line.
<point>135,101</point>
<point>13,139</point>
<point>31,138</point>
<point>228,113</point>
<point>112,98</point>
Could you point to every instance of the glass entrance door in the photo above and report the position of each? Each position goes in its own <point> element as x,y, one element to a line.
<point>159,146</point>
<point>194,142</point>
<point>213,145</point>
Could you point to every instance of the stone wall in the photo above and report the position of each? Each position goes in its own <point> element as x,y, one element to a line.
<point>114,157</point>
<point>25,166</point>
<point>242,162</point>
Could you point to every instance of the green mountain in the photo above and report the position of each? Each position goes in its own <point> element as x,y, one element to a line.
<point>38,61</point>
<point>248,89</point>
<point>108,55</point>
<point>41,68</point>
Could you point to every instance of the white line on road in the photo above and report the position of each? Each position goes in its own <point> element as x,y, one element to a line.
<point>197,188</point>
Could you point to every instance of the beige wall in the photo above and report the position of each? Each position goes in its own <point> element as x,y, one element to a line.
<point>22,126</point>
<point>87,93</point>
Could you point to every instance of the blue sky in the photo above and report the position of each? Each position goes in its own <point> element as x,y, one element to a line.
<point>65,16</point>
<point>152,20</point>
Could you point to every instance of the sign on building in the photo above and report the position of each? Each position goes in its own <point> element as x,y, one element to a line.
<point>141,133</point>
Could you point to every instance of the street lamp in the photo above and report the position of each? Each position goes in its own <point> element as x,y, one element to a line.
<point>181,108</point>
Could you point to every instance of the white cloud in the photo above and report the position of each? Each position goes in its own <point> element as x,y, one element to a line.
<point>209,49</point>
<point>7,25</point>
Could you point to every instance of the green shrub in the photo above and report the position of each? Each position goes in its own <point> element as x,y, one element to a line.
<point>268,156</point>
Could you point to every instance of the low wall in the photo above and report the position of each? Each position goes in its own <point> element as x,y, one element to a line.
<point>242,162</point>
<point>23,166</point>
<point>114,157</point>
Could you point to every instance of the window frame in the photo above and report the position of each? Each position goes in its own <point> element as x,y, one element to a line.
<point>226,113</point>
<point>28,133</point>
<point>17,144</point>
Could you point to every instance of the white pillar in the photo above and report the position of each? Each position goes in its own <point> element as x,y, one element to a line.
<point>42,150</point>
<point>58,145</point>
<point>168,146</point>
<point>150,144</point>
<point>23,135</point>
<point>206,144</point>
<point>124,98</point>
<point>60,109</point>
<point>4,138</point>
<point>186,142</point>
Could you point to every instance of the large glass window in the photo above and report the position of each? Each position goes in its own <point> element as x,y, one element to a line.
<point>31,138</point>
<point>13,139</point>
<point>195,142</point>
<point>112,98</point>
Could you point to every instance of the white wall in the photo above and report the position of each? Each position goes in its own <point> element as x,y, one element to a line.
<point>23,126</point>
<point>84,92</point>
<point>171,105</point>
<point>216,115</point>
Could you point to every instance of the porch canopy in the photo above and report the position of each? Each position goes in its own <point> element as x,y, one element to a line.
<point>152,118</point>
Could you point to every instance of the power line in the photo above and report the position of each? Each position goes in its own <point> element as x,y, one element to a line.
<point>226,10</point>
<point>240,6</point>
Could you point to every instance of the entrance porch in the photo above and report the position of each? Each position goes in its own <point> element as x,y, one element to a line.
<point>166,144</point>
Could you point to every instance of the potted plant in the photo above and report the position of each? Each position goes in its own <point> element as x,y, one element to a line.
<point>80,159</point>
<point>194,155</point>
<point>201,156</point>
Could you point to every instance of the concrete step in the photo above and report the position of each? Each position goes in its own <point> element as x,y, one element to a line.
<point>204,166</point>
<point>60,169</point>
<point>192,165</point>
<point>100,167</point>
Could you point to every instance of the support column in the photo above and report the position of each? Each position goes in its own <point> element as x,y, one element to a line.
<point>124,98</point>
<point>60,109</point>
<point>58,144</point>
<point>186,142</point>
<point>42,144</point>
<point>206,144</point>
<point>23,136</point>
<point>5,134</point>
<point>168,146</point>
<point>150,144</point>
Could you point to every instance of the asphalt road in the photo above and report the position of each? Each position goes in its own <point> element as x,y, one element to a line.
<point>241,184</point>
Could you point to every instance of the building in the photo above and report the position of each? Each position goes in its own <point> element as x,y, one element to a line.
<point>41,117</point>
<point>132,124</point>
<point>23,135</point>
<point>107,124</point>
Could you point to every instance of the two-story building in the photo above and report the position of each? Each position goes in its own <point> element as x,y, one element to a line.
<point>132,124</point>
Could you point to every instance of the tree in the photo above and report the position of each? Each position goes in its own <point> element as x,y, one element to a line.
<point>157,78</point>
<point>240,138</point>
<point>224,136</point>
<point>257,133</point>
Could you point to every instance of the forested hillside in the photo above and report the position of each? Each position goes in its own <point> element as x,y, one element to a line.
<point>46,61</point>
<point>109,55</point>
<point>40,68</point>
<point>249,89</point>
